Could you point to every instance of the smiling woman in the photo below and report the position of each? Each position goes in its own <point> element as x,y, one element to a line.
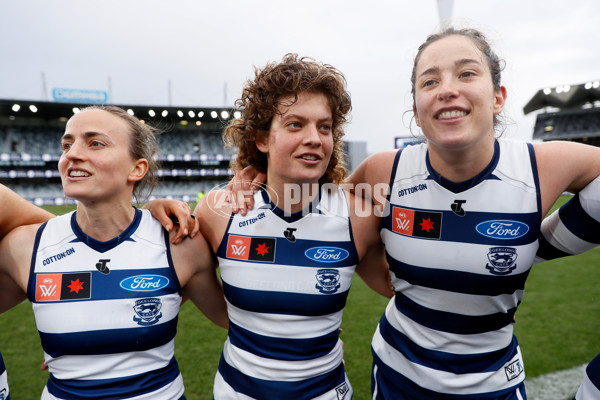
<point>287,266</point>
<point>104,283</point>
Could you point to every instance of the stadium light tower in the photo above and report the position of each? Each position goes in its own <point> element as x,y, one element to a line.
<point>445,9</point>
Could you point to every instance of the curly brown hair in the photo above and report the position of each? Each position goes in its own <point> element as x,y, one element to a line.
<point>262,96</point>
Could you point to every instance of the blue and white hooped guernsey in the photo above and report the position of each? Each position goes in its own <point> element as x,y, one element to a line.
<point>4,393</point>
<point>590,387</point>
<point>106,312</point>
<point>286,280</point>
<point>459,256</point>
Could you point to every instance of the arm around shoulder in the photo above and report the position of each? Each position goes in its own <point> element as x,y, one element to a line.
<point>372,268</point>
<point>196,267</point>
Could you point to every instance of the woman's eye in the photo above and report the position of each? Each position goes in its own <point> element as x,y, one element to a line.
<point>429,82</point>
<point>66,146</point>
<point>295,125</point>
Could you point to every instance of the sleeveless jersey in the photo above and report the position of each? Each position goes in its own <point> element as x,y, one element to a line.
<point>459,255</point>
<point>286,280</point>
<point>4,393</point>
<point>590,387</point>
<point>106,312</point>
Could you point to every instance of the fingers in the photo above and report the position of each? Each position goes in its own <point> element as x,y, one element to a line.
<point>182,212</point>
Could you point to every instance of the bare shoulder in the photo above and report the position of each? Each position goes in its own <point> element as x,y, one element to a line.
<point>16,250</point>
<point>213,214</point>
<point>375,169</point>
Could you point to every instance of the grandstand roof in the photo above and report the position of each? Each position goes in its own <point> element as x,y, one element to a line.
<point>565,96</point>
<point>57,110</point>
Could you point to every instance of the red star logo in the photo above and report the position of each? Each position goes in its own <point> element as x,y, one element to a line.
<point>262,249</point>
<point>426,225</point>
<point>76,286</point>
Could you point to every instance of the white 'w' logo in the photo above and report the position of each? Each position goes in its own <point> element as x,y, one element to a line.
<point>402,224</point>
<point>238,250</point>
<point>48,291</point>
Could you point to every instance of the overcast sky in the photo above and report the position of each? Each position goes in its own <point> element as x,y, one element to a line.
<point>207,49</point>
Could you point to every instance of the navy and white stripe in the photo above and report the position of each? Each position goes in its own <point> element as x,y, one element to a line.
<point>459,255</point>
<point>575,227</point>
<point>285,306</point>
<point>590,387</point>
<point>107,332</point>
<point>4,392</point>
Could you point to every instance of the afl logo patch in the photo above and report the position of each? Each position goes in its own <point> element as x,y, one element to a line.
<point>148,311</point>
<point>502,229</point>
<point>502,260</point>
<point>144,283</point>
<point>326,254</point>
<point>328,280</point>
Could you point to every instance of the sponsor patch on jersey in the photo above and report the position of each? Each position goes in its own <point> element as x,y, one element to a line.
<point>326,254</point>
<point>417,223</point>
<point>250,221</point>
<point>513,370</point>
<point>251,249</point>
<point>502,229</point>
<point>342,390</point>
<point>502,260</point>
<point>144,283</point>
<point>56,287</point>
<point>147,311</point>
<point>328,280</point>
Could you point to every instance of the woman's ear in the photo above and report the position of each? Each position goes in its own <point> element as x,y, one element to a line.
<point>499,100</point>
<point>262,142</point>
<point>139,170</point>
<point>417,120</point>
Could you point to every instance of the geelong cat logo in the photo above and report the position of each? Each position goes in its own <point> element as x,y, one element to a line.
<point>326,254</point>
<point>328,280</point>
<point>148,311</point>
<point>144,283</point>
<point>502,229</point>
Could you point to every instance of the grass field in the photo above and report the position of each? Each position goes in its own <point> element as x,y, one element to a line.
<point>557,327</point>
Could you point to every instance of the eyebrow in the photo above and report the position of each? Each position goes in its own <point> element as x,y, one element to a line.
<point>457,63</point>
<point>85,135</point>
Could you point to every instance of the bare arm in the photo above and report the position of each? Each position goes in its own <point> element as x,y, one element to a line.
<point>196,269</point>
<point>373,175</point>
<point>16,211</point>
<point>564,166</point>
<point>15,258</point>
<point>372,268</point>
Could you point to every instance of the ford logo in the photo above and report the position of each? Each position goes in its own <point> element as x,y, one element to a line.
<point>144,283</point>
<point>502,229</point>
<point>326,254</point>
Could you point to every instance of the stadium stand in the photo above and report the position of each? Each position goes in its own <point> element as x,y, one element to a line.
<point>191,152</point>
<point>567,112</point>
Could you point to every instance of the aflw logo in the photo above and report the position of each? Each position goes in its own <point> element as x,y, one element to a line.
<point>48,287</point>
<point>238,249</point>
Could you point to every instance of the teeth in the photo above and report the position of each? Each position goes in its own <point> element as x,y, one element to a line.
<point>78,173</point>
<point>451,114</point>
<point>309,157</point>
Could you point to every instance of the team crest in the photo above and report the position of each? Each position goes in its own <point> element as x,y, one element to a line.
<point>342,390</point>
<point>2,394</point>
<point>502,260</point>
<point>328,280</point>
<point>148,311</point>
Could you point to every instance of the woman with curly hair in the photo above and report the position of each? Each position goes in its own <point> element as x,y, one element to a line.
<point>287,265</point>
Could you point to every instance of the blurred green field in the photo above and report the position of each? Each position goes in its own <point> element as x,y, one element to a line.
<point>557,327</point>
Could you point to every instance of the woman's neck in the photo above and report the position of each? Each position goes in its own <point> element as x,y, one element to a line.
<point>292,197</point>
<point>104,221</point>
<point>458,166</point>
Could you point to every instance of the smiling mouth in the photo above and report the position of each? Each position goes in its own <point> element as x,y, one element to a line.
<point>309,157</point>
<point>78,174</point>
<point>451,114</point>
